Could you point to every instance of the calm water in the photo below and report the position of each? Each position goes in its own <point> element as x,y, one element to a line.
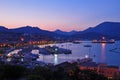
<point>100,50</point>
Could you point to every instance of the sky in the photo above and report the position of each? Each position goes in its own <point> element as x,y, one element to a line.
<point>65,15</point>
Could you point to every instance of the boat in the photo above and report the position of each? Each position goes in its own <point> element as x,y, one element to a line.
<point>77,42</point>
<point>87,45</point>
<point>84,60</point>
<point>103,40</point>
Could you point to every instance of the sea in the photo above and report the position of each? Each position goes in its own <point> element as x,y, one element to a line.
<point>99,52</point>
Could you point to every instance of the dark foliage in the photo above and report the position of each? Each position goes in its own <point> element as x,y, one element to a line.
<point>11,72</point>
<point>14,72</point>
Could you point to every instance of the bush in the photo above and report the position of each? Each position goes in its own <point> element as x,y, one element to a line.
<point>35,77</point>
<point>11,72</point>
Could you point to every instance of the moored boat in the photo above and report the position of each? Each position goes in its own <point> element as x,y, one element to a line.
<point>103,40</point>
<point>87,45</point>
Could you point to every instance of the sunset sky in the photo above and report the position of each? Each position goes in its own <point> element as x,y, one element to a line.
<point>66,15</point>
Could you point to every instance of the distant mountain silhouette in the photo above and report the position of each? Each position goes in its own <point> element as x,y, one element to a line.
<point>65,33</point>
<point>88,36</point>
<point>37,31</point>
<point>3,29</point>
<point>33,30</point>
<point>27,29</point>
<point>107,29</point>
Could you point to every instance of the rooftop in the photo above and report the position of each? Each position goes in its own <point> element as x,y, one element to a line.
<point>90,64</point>
<point>117,67</point>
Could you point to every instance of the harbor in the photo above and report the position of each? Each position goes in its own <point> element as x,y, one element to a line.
<point>61,52</point>
<point>30,56</point>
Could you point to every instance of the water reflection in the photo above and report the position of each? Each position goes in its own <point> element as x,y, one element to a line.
<point>103,58</point>
<point>55,58</point>
<point>78,51</point>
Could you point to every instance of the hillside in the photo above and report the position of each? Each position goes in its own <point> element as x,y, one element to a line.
<point>107,29</point>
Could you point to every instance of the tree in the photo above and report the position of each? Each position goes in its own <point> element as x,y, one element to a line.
<point>35,77</point>
<point>11,72</point>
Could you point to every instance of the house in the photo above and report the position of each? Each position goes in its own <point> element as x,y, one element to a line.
<point>111,72</point>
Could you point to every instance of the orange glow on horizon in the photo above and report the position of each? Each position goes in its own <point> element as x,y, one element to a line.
<point>44,27</point>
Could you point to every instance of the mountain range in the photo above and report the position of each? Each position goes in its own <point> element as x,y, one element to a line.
<point>65,33</point>
<point>107,29</point>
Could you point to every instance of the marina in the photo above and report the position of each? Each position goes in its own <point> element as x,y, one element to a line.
<point>85,55</point>
<point>99,52</point>
<point>60,40</point>
<point>29,56</point>
<point>61,52</point>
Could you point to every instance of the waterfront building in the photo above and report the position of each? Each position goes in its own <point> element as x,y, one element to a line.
<point>111,72</point>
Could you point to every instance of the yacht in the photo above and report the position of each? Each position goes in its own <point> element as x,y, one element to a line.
<point>103,40</point>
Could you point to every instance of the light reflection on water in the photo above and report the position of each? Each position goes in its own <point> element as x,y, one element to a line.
<point>99,52</point>
<point>103,57</point>
<point>55,58</point>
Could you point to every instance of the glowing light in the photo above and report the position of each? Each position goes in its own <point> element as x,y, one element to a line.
<point>35,51</point>
<point>103,57</point>
<point>55,55</point>
<point>103,37</point>
<point>13,52</point>
<point>103,45</point>
<point>56,49</point>
<point>86,56</point>
<point>22,39</point>
<point>55,58</point>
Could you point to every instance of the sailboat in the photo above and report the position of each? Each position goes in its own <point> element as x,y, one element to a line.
<point>87,45</point>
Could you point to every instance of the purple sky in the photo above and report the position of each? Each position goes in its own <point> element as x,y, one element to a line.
<point>58,14</point>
